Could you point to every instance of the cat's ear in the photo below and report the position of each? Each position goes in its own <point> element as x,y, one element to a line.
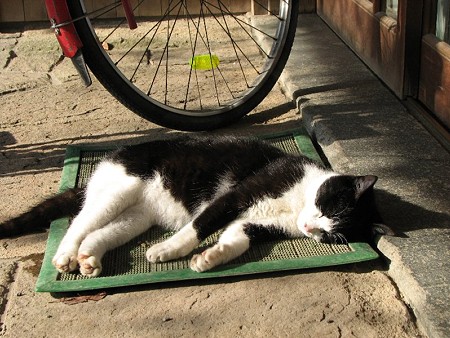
<point>362,183</point>
<point>382,229</point>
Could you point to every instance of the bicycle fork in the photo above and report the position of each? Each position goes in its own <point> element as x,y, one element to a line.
<point>66,34</point>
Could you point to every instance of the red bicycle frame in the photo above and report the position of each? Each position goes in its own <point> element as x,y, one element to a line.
<point>62,23</point>
<point>66,34</point>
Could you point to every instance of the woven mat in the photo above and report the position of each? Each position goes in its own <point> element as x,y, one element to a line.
<point>127,264</point>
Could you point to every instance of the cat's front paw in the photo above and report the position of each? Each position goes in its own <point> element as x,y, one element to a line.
<point>65,262</point>
<point>163,252</point>
<point>199,263</point>
<point>206,260</point>
<point>90,266</point>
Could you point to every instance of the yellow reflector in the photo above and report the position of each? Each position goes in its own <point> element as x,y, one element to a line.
<point>204,62</point>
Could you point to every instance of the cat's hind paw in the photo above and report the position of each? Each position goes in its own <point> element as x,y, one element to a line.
<point>65,262</point>
<point>90,266</point>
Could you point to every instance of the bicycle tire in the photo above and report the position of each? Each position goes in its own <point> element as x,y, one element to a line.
<point>144,105</point>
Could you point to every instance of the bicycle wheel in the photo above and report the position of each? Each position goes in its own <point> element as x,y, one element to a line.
<point>190,64</point>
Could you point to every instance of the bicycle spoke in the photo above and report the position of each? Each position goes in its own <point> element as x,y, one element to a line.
<point>243,22</point>
<point>209,51</point>
<point>121,23</point>
<point>166,46</point>
<point>146,51</point>
<point>104,10</point>
<point>156,26</point>
<point>193,45</point>
<point>234,44</point>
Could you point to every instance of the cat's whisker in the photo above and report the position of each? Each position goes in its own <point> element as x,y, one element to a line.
<point>342,238</point>
<point>337,238</point>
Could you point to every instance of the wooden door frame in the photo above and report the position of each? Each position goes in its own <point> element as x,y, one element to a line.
<point>391,48</point>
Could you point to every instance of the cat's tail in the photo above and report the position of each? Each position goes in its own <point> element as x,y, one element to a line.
<point>65,204</point>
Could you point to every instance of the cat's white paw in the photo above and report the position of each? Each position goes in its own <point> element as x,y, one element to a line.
<point>90,266</point>
<point>163,252</point>
<point>199,263</point>
<point>65,262</point>
<point>206,260</point>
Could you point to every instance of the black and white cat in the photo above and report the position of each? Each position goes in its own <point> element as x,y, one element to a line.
<point>196,186</point>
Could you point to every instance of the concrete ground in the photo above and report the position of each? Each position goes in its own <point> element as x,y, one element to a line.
<point>361,128</point>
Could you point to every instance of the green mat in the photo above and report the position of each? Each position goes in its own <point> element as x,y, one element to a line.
<point>127,264</point>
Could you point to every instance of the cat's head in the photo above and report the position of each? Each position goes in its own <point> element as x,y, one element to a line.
<point>342,211</point>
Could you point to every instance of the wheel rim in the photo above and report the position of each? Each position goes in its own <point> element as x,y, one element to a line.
<point>200,63</point>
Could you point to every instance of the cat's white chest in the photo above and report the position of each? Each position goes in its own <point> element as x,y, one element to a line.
<point>281,212</point>
<point>269,207</point>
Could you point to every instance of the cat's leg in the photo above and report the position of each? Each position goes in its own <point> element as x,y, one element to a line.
<point>233,242</point>
<point>179,245</point>
<point>222,211</point>
<point>131,223</point>
<point>110,191</point>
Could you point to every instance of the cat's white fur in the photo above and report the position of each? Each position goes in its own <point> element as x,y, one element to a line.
<point>119,207</point>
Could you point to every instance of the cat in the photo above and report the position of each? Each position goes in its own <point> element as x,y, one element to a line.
<point>196,186</point>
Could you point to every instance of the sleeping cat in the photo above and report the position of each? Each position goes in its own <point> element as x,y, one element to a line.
<point>196,186</point>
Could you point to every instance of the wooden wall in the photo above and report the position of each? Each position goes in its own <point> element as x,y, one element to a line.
<point>34,10</point>
<point>22,10</point>
<point>376,38</point>
<point>434,88</point>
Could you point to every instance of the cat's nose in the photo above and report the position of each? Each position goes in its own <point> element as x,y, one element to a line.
<point>309,229</point>
<point>305,227</point>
